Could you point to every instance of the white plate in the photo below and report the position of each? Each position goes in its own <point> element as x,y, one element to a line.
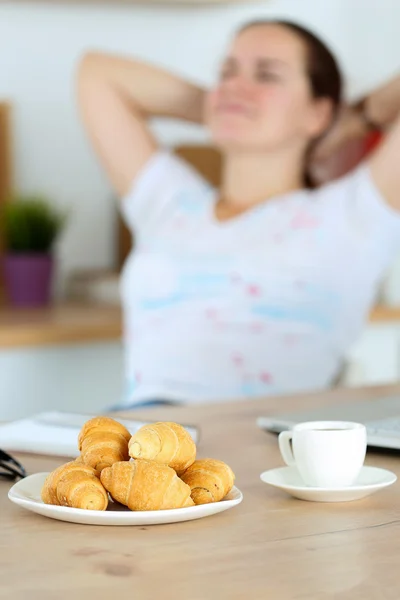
<point>26,493</point>
<point>370,480</point>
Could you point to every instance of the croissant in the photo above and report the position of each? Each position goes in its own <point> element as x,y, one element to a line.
<point>102,442</point>
<point>75,485</point>
<point>166,443</point>
<point>210,480</point>
<point>49,494</point>
<point>145,485</point>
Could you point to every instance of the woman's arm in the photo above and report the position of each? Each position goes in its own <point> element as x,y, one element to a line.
<point>383,109</point>
<point>117,96</point>
<point>380,111</point>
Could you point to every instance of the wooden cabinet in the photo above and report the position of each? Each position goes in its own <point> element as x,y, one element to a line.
<point>5,167</point>
<point>5,151</point>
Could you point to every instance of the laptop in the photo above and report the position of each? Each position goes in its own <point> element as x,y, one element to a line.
<point>381,418</point>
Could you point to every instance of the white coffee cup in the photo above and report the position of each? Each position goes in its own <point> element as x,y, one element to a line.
<point>327,454</point>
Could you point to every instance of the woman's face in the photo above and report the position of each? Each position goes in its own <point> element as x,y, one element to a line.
<point>263,100</point>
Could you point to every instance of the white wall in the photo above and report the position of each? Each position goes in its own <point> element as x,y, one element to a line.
<point>41,43</point>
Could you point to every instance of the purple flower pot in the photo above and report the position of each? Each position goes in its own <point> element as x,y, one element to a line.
<point>28,279</point>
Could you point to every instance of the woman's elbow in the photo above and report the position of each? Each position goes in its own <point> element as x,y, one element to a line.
<point>89,62</point>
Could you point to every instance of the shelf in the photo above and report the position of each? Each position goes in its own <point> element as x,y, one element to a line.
<point>63,324</point>
<point>146,2</point>
<point>86,323</point>
<point>385,314</point>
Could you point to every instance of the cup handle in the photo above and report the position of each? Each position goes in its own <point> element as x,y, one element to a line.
<point>285,449</point>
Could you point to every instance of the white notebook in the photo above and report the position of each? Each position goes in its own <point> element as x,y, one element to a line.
<point>56,433</point>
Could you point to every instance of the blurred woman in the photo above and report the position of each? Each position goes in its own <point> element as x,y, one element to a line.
<point>261,286</point>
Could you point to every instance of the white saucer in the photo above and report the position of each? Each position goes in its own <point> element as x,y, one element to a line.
<point>26,493</point>
<point>370,480</point>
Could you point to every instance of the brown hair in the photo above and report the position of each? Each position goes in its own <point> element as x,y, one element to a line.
<point>322,70</point>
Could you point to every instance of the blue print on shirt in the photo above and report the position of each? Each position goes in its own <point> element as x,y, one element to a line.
<point>203,284</point>
<point>190,286</point>
<point>318,307</point>
<point>304,314</point>
<point>162,302</point>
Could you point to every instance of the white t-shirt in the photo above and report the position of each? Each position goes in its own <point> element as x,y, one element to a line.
<point>265,303</point>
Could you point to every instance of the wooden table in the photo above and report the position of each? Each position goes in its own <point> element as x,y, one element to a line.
<point>271,547</point>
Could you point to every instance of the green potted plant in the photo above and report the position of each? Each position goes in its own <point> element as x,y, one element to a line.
<point>30,226</point>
